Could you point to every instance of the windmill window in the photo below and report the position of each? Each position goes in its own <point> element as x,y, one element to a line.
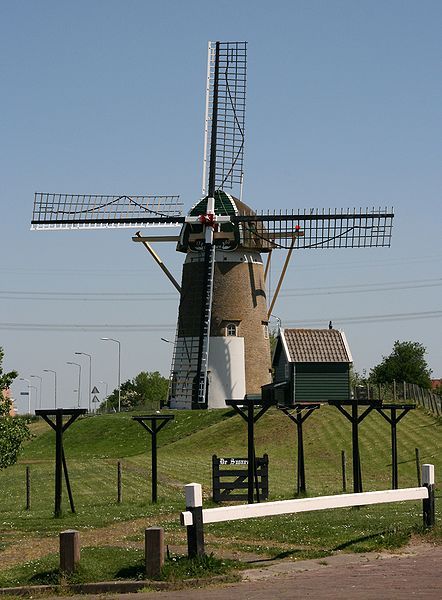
<point>265,329</point>
<point>231,329</point>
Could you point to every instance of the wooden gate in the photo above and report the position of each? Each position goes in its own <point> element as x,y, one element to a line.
<point>229,476</point>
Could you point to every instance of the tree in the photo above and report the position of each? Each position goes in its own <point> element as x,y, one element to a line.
<point>405,363</point>
<point>13,430</point>
<point>147,389</point>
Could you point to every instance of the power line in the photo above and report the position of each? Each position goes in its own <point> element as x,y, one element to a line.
<point>431,314</point>
<point>143,327</point>
<point>109,272</point>
<point>166,296</point>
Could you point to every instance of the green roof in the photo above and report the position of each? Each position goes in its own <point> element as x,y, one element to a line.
<point>224,205</point>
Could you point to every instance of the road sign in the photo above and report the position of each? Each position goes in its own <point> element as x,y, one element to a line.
<point>95,390</point>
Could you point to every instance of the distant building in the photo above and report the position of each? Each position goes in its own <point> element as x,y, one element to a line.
<point>435,383</point>
<point>312,365</point>
<point>7,395</point>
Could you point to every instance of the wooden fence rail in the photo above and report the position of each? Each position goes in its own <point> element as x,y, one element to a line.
<point>195,517</point>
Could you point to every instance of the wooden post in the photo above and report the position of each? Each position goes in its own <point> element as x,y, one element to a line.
<point>301,489</point>
<point>69,550</point>
<point>250,450</point>
<point>394,465</point>
<point>344,470</point>
<point>157,422</point>
<point>428,503</point>
<point>58,461</point>
<point>28,488</point>
<point>195,532</point>
<point>119,488</point>
<point>418,467</point>
<point>153,551</point>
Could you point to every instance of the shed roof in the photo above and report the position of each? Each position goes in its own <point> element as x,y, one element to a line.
<point>315,346</point>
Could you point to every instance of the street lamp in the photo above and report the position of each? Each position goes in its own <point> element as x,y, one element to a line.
<point>29,393</point>
<point>79,381</point>
<point>90,377</point>
<point>41,385</point>
<point>106,339</point>
<point>55,384</point>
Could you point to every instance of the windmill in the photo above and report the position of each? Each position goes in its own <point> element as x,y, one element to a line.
<point>222,347</point>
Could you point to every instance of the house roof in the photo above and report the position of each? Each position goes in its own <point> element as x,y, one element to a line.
<point>315,346</point>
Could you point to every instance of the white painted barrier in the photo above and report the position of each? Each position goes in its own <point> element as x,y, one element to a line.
<point>282,507</point>
<point>195,516</point>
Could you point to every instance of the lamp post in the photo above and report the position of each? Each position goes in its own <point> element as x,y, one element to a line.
<point>90,377</point>
<point>106,339</point>
<point>41,385</point>
<point>79,381</point>
<point>55,384</point>
<point>29,393</point>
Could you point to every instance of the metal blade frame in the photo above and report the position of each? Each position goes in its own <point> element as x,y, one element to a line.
<point>93,211</point>
<point>348,228</point>
<point>226,91</point>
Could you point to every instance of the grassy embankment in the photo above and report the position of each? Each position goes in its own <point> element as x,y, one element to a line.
<point>94,444</point>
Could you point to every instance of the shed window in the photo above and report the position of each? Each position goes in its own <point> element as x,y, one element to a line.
<point>231,329</point>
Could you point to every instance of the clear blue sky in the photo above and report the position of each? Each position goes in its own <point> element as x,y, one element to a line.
<point>343,109</point>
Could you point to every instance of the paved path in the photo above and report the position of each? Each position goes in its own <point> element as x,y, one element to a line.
<point>415,573</point>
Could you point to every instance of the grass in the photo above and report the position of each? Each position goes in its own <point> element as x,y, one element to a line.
<point>108,564</point>
<point>185,447</point>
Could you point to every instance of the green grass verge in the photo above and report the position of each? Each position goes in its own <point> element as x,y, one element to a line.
<point>111,563</point>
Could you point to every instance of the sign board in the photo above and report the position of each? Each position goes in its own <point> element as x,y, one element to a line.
<point>24,393</point>
<point>233,461</point>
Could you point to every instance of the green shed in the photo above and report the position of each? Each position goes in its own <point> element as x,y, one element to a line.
<point>314,364</point>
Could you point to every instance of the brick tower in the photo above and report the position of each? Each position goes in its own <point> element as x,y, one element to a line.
<point>239,359</point>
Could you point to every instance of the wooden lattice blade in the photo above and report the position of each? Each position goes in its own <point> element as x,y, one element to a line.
<point>320,229</point>
<point>225,106</point>
<point>92,211</point>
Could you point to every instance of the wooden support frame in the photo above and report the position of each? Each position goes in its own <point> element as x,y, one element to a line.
<point>355,419</point>
<point>394,419</point>
<point>302,411</point>
<point>60,459</point>
<point>157,422</point>
<point>246,409</point>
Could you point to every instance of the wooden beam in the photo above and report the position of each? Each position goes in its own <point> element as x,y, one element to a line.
<point>158,260</point>
<point>281,278</point>
<point>282,507</point>
<point>155,238</point>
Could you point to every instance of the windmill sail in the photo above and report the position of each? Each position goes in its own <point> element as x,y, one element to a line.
<point>92,211</point>
<point>225,98</point>
<point>344,228</point>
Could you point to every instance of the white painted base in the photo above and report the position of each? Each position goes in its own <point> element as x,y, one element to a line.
<point>227,375</point>
<point>226,372</point>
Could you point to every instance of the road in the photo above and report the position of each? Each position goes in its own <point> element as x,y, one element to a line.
<point>414,573</point>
